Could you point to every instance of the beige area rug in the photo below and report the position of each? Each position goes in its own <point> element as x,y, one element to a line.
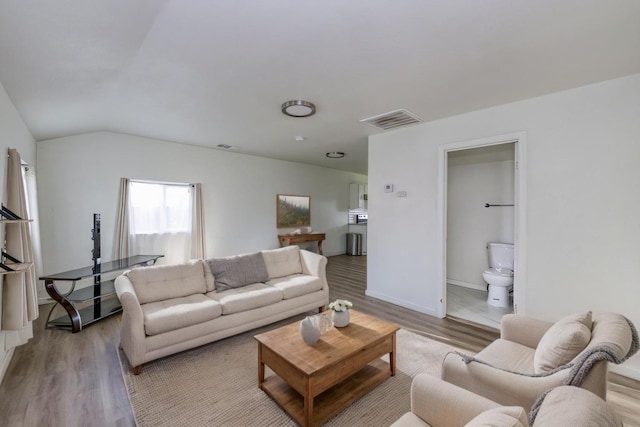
<point>216,385</point>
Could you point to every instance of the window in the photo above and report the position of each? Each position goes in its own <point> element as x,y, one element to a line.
<point>156,218</point>
<point>160,208</point>
<point>160,220</point>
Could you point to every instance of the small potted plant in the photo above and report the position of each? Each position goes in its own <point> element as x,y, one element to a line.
<point>340,315</point>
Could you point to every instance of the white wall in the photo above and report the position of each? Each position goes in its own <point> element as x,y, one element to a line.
<point>79,175</point>
<point>582,202</point>
<point>13,134</point>
<point>477,176</point>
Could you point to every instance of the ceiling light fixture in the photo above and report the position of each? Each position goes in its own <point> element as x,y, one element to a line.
<point>298,108</point>
<point>335,154</point>
<point>300,138</point>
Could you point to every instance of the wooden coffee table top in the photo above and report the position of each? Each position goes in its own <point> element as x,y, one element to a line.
<point>333,347</point>
<point>342,366</point>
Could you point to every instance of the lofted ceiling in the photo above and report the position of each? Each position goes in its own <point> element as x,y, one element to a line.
<point>209,72</point>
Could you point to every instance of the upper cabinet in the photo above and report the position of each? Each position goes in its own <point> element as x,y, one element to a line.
<point>358,196</point>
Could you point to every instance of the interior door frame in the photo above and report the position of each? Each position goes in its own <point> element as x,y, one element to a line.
<point>519,278</point>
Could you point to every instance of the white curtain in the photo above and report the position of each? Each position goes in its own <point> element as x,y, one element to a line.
<point>160,219</point>
<point>121,248</point>
<point>198,246</point>
<point>19,296</point>
<point>29,175</point>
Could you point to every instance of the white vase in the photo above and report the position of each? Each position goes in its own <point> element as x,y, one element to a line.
<point>340,318</point>
<point>310,330</point>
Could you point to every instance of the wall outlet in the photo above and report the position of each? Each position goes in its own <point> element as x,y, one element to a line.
<point>401,194</point>
<point>388,188</point>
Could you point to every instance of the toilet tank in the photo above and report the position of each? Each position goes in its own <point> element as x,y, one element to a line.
<point>500,255</point>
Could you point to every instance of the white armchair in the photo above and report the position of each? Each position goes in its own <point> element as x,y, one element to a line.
<point>436,403</point>
<point>532,356</point>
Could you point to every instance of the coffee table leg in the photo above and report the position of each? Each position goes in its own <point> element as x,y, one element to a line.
<point>260,366</point>
<point>392,355</point>
<point>308,406</point>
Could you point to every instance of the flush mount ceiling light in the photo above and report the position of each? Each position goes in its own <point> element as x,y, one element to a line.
<point>298,108</point>
<point>335,154</point>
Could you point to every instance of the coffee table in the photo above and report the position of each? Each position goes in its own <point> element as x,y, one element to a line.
<point>314,383</point>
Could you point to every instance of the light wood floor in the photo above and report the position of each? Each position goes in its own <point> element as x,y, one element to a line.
<point>65,379</point>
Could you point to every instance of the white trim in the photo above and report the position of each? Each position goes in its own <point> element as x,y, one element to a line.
<point>402,303</point>
<point>519,279</point>
<point>625,371</point>
<point>468,285</point>
<point>5,363</point>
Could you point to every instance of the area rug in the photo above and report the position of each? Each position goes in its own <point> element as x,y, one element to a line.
<point>216,385</point>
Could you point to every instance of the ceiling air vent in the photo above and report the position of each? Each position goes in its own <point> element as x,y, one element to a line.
<point>392,119</point>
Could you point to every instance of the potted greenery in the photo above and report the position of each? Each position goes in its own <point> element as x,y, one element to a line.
<point>340,315</point>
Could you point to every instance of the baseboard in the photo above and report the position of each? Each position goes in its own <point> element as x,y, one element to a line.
<point>624,371</point>
<point>5,363</point>
<point>401,303</point>
<point>467,285</point>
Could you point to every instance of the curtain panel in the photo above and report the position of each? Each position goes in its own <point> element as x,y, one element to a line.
<point>121,247</point>
<point>19,294</point>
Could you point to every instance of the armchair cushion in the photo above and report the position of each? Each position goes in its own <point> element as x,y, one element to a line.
<point>504,416</point>
<point>562,342</point>
<point>572,406</point>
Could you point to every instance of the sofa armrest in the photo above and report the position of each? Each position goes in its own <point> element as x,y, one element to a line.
<point>313,264</point>
<point>132,335</point>
<point>504,387</point>
<point>523,330</point>
<point>440,403</point>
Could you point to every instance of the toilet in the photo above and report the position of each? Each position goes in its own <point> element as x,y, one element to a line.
<point>499,275</point>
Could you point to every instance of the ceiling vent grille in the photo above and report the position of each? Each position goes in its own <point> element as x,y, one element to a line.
<point>392,119</point>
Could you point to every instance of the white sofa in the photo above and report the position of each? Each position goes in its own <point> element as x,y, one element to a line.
<point>172,308</point>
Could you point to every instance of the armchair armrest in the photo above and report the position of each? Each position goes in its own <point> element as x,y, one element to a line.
<point>132,335</point>
<point>505,387</point>
<point>523,330</point>
<point>440,403</point>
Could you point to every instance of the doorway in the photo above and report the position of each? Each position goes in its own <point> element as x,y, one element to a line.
<point>473,174</point>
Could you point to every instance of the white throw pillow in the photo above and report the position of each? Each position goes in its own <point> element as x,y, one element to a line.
<point>562,342</point>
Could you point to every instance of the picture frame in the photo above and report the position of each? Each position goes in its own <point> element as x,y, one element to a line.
<point>293,211</point>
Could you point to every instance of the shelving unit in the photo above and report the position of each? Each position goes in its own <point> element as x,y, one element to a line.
<point>15,266</point>
<point>90,304</point>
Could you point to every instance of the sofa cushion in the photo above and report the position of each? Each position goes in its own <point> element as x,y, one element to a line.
<point>562,342</point>
<point>504,416</point>
<point>296,285</point>
<point>162,282</point>
<point>176,313</point>
<point>508,355</point>
<point>209,279</point>
<point>238,271</point>
<point>574,406</point>
<point>246,298</point>
<point>283,262</point>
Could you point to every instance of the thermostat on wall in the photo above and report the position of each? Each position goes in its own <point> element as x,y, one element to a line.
<point>388,188</point>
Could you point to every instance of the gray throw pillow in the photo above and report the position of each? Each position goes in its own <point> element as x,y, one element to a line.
<point>238,271</point>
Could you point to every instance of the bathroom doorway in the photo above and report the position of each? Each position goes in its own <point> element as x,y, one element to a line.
<point>481,185</point>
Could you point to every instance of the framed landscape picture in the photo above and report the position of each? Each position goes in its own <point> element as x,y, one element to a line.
<point>293,211</point>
